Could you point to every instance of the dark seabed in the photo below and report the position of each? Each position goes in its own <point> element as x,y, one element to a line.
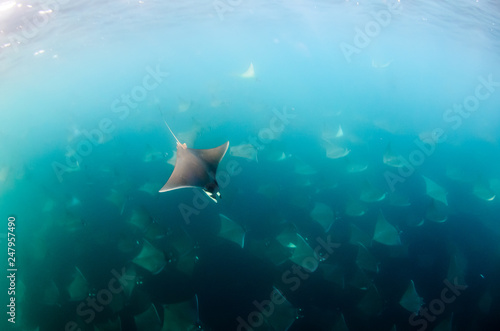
<point>358,192</point>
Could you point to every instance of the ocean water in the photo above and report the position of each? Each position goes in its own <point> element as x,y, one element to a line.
<point>359,191</point>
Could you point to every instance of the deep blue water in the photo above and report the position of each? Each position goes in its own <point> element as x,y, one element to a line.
<point>337,89</point>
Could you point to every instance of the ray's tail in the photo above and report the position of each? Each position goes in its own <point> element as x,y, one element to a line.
<point>168,126</point>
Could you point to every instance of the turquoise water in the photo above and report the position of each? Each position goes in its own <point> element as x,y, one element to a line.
<point>363,159</point>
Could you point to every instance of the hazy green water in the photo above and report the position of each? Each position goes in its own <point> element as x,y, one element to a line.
<point>80,93</point>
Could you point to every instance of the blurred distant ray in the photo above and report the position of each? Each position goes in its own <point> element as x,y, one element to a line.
<point>303,168</point>
<point>232,231</point>
<point>385,232</point>
<point>437,212</point>
<point>371,194</point>
<point>181,316</point>
<point>435,191</point>
<point>324,215</point>
<point>79,288</point>
<point>334,151</point>
<point>380,65</point>
<point>284,314</point>
<point>250,73</point>
<point>150,258</point>
<point>410,300</point>
<point>366,260</point>
<point>371,304</point>
<point>391,159</point>
<point>482,190</point>
<point>184,104</point>
<point>355,167</point>
<point>355,208</point>
<point>302,253</point>
<point>148,320</point>
<point>399,199</point>
<point>246,151</point>
<point>329,135</point>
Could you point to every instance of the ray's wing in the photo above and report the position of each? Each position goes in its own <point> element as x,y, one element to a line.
<point>302,253</point>
<point>371,304</point>
<point>79,288</point>
<point>211,157</point>
<point>189,171</point>
<point>371,194</point>
<point>150,258</point>
<point>324,215</point>
<point>250,73</point>
<point>385,232</point>
<point>435,191</point>
<point>232,231</point>
<point>410,300</point>
<point>284,314</point>
<point>148,320</point>
<point>195,167</point>
<point>181,316</point>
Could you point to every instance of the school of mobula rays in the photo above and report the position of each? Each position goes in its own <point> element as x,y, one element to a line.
<point>344,248</point>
